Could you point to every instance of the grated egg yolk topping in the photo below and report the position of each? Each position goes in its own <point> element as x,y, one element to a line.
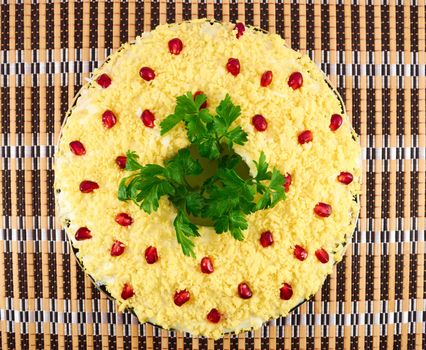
<point>289,112</point>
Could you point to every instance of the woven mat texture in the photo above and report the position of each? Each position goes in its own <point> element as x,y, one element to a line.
<point>374,53</point>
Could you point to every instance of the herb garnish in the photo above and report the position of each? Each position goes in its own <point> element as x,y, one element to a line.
<point>225,198</point>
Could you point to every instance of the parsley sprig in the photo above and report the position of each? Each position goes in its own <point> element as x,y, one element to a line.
<point>224,198</point>
<point>208,133</point>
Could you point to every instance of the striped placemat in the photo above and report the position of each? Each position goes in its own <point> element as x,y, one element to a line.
<point>374,53</point>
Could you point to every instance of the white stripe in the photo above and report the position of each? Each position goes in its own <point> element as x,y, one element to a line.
<point>406,152</point>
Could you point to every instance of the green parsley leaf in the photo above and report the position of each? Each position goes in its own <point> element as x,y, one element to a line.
<point>170,122</point>
<point>122,190</point>
<point>262,168</point>
<point>152,185</point>
<point>132,161</point>
<point>272,193</point>
<point>227,113</point>
<point>185,229</point>
<point>229,198</point>
<point>237,223</point>
<point>182,165</point>
<point>237,136</point>
<point>185,106</point>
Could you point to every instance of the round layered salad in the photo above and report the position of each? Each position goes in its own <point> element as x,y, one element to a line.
<point>207,177</point>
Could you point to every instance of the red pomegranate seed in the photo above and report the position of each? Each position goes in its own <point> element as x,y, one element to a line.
<point>286,292</point>
<point>204,105</point>
<point>323,209</point>
<point>214,316</point>
<point>121,162</point>
<point>83,233</point>
<point>147,73</point>
<point>181,297</point>
<point>77,148</point>
<point>240,29</point>
<point>259,122</point>
<point>305,137</point>
<point>117,248</point>
<point>109,119</point>
<point>206,265</point>
<point>244,291</point>
<point>104,80</point>
<point>175,46</point>
<point>266,79</point>
<point>287,182</point>
<point>127,291</point>
<point>151,255</point>
<point>148,118</point>
<point>233,66</point>
<point>336,121</point>
<point>300,253</point>
<point>88,186</point>
<point>295,80</point>
<point>322,255</point>
<point>123,219</point>
<point>345,178</point>
<point>266,239</point>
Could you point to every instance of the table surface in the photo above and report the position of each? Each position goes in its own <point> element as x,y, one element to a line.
<point>373,53</point>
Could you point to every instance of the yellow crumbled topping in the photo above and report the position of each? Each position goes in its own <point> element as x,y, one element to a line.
<point>313,166</point>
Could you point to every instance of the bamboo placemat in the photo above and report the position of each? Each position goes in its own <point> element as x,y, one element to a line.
<point>373,52</point>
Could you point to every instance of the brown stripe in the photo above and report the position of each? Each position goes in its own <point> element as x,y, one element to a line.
<point>249,13</point>
<point>233,11</point>
<point>202,9</point>
<point>171,11</point>
<point>124,22</point>
<point>186,10</point>
<point>279,18</point>
<point>155,14</point>
<point>218,11</point>
<point>295,25</point>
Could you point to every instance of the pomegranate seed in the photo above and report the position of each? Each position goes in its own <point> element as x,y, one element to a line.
<point>123,219</point>
<point>206,265</point>
<point>233,66</point>
<point>295,80</point>
<point>151,255</point>
<point>286,292</point>
<point>104,80</point>
<point>305,137</point>
<point>214,316</point>
<point>147,73</point>
<point>204,105</point>
<point>181,297</point>
<point>240,29</point>
<point>300,253</point>
<point>266,239</point>
<point>127,291</point>
<point>109,119</point>
<point>148,118</point>
<point>345,178</point>
<point>117,248</point>
<point>121,162</point>
<point>88,186</point>
<point>77,148</point>
<point>244,291</point>
<point>259,122</point>
<point>336,121</point>
<point>287,182</point>
<point>266,78</point>
<point>322,255</point>
<point>322,209</point>
<point>83,233</point>
<point>175,46</point>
